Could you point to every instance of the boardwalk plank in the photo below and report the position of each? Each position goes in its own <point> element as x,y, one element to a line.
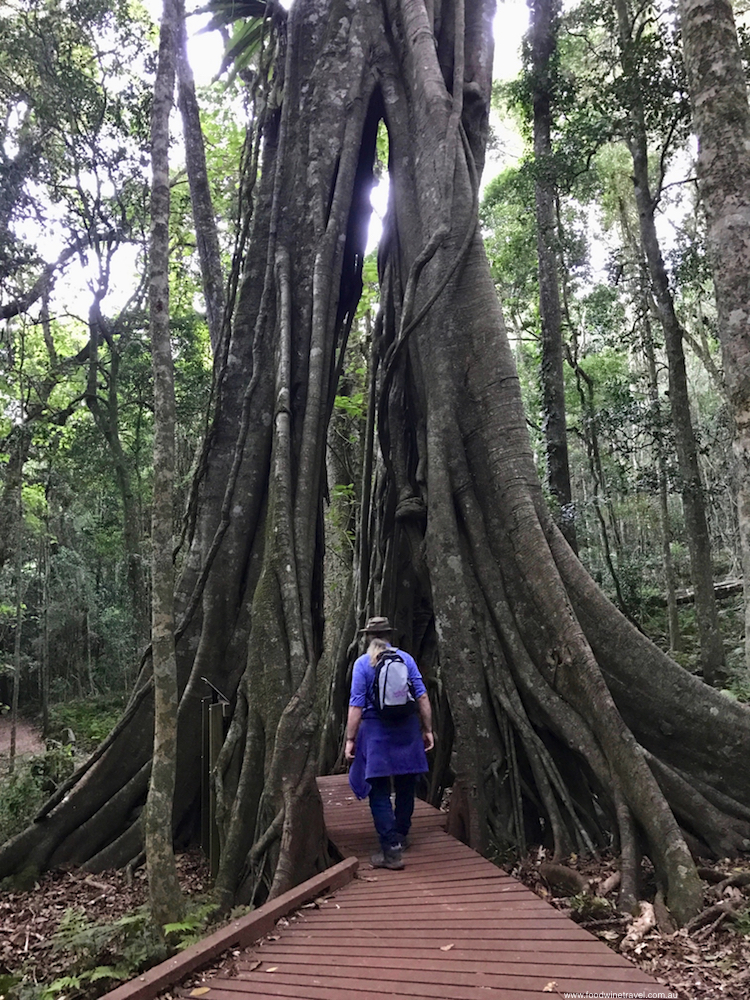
<point>453,935</point>
<point>480,951</point>
<point>273,992</point>
<point>451,926</point>
<point>556,952</point>
<point>474,986</point>
<point>448,965</point>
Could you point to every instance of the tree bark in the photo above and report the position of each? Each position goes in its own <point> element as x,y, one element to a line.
<point>165,895</point>
<point>204,219</point>
<point>543,37</point>
<point>696,527</point>
<point>675,635</point>
<point>106,414</point>
<point>19,615</point>
<point>721,120</point>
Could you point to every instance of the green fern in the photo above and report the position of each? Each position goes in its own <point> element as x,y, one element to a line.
<point>54,990</point>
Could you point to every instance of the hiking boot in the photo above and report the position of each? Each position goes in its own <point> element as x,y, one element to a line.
<point>405,843</point>
<point>388,859</point>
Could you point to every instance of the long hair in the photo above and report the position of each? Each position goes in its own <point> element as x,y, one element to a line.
<point>376,647</point>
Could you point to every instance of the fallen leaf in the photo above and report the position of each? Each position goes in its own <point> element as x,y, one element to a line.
<point>254,965</point>
<point>273,968</point>
<point>550,987</point>
<point>446,947</point>
<point>199,991</point>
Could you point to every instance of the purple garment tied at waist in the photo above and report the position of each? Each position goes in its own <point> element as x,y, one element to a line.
<point>383,749</point>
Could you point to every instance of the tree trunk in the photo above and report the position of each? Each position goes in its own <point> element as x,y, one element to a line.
<point>44,569</point>
<point>165,895</point>
<point>721,120</point>
<point>600,493</point>
<point>675,635</point>
<point>696,526</point>
<point>543,37</point>
<point>18,618</point>
<point>16,445</point>
<point>204,220</point>
<point>550,693</point>
<point>106,414</point>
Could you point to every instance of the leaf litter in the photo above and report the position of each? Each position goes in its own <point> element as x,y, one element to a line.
<point>710,960</point>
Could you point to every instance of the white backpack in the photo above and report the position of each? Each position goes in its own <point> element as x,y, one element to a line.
<point>393,694</point>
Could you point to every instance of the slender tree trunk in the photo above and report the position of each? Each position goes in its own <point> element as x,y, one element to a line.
<point>18,623</point>
<point>696,526</point>
<point>45,575</point>
<point>721,118</point>
<point>164,888</point>
<point>543,35</point>
<point>204,219</point>
<point>675,635</point>
<point>17,446</point>
<point>590,433</point>
<point>107,418</point>
<point>647,308</point>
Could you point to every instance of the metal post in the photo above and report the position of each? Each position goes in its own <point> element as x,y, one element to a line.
<point>214,710</point>
<point>215,741</point>
<point>205,778</point>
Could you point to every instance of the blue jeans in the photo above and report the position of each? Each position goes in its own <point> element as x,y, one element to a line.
<point>392,825</point>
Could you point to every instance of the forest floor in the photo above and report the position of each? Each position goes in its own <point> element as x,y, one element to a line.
<point>28,738</point>
<point>708,963</point>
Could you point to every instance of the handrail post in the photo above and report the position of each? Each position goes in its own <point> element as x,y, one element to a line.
<point>214,710</point>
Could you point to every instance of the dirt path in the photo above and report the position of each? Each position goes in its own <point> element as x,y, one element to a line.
<point>28,738</point>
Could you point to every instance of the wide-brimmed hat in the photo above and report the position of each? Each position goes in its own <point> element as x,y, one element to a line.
<point>376,625</point>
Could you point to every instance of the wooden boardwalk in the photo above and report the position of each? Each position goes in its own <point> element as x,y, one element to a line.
<point>451,926</point>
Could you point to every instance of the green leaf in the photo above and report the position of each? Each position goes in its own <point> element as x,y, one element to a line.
<point>108,972</point>
<point>226,12</point>
<point>65,982</point>
<point>246,40</point>
<point>183,925</point>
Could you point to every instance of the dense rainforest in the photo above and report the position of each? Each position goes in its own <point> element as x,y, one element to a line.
<point>517,426</point>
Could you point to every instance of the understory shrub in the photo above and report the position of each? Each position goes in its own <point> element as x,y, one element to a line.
<point>33,779</point>
<point>96,956</point>
<point>87,721</point>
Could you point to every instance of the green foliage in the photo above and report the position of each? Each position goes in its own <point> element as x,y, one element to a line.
<point>586,906</point>
<point>23,792</point>
<point>741,922</point>
<point>738,689</point>
<point>90,720</point>
<point>343,491</point>
<point>102,953</point>
<point>7,983</point>
<point>510,241</point>
<point>98,955</point>
<point>353,405</point>
<point>248,21</point>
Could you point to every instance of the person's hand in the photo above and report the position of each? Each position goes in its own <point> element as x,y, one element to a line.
<point>349,750</point>
<point>428,739</point>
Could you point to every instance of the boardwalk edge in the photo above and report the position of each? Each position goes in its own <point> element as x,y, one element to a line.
<point>241,933</point>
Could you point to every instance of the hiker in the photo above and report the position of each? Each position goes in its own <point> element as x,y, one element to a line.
<point>382,749</point>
